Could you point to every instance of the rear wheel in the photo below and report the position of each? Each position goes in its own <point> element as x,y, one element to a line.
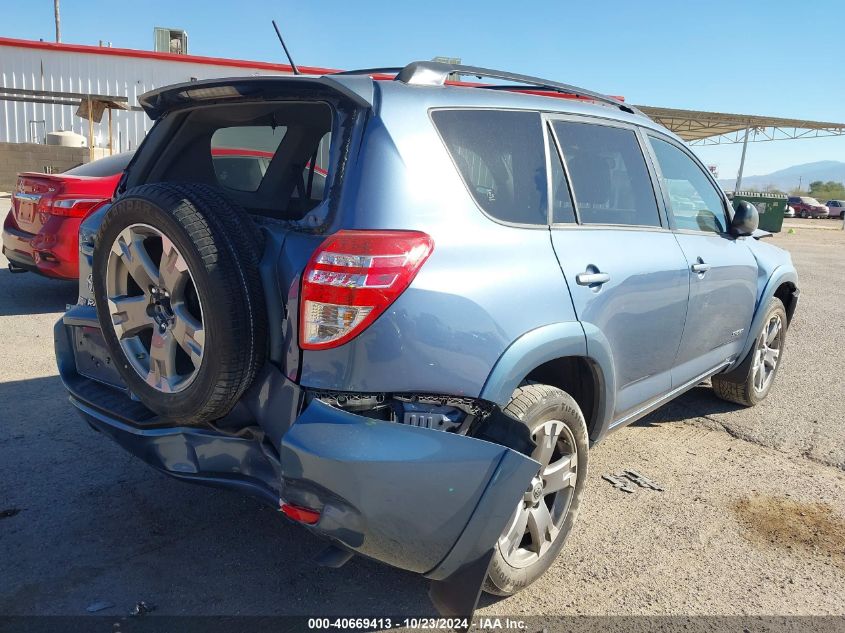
<point>546,513</point>
<point>179,298</point>
<point>751,382</point>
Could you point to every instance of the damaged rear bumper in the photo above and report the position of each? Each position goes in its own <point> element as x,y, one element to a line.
<point>422,500</point>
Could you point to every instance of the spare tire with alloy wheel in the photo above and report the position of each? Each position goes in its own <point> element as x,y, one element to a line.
<point>179,298</point>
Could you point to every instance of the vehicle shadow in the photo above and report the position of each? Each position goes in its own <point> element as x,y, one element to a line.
<point>82,521</point>
<point>699,401</point>
<point>28,293</point>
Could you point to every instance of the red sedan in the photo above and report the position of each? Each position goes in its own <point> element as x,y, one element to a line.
<point>40,233</point>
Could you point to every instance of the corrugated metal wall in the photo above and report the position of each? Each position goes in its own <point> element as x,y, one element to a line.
<point>112,75</point>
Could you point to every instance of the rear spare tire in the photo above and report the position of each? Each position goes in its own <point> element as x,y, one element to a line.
<point>179,298</point>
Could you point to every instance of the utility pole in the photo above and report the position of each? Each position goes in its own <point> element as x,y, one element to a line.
<point>58,21</point>
<point>742,162</point>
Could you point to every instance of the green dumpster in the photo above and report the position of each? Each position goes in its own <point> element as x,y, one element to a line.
<point>770,206</point>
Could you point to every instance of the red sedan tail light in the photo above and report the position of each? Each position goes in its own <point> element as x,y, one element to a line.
<point>68,206</point>
<point>352,278</point>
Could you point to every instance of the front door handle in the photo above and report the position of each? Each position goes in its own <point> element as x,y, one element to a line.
<point>700,267</point>
<point>592,279</point>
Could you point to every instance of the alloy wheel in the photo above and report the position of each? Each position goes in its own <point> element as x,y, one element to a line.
<point>541,512</point>
<point>767,353</point>
<point>155,308</point>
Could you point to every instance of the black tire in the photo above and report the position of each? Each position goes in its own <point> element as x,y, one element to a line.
<point>533,404</point>
<point>222,248</point>
<point>738,385</point>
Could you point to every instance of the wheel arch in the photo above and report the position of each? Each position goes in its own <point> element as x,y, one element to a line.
<point>787,292</point>
<point>783,284</point>
<point>568,356</point>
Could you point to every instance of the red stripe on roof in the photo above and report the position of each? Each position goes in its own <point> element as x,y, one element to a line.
<point>166,57</point>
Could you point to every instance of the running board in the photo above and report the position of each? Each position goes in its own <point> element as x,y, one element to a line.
<point>659,402</point>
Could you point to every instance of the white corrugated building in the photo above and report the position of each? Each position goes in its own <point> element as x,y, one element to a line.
<point>117,72</point>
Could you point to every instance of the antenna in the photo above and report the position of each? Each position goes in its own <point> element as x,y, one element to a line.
<point>290,59</point>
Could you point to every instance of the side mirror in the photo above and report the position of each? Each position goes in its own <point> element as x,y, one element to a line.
<point>746,219</point>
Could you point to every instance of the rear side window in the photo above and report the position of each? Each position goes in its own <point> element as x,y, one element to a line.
<point>501,158</point>
<point>609,176</point>
<point>240,155</point>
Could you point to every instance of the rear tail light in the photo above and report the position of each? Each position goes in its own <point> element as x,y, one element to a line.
<point>68,207</point>
<point>352,278</point>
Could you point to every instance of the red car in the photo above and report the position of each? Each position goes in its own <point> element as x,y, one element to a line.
<point>808,207</point>
<point>40,233</point>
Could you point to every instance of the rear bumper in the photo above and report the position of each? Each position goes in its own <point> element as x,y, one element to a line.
<point>52,252</point>
<point>426,501</point>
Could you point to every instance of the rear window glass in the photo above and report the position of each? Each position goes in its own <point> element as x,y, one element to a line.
<point>608,173</point>
<point>501,158</point>
<point>108,166</point>
<point>240,155</point>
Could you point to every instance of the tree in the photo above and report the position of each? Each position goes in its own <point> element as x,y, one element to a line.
<point>830,190</point>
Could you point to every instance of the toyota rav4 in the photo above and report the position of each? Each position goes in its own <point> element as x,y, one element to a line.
<point>407,310</point>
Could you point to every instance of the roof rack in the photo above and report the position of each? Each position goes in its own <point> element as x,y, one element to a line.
<point>437,73</point>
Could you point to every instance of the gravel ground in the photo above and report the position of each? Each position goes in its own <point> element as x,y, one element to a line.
<point>751,521</point>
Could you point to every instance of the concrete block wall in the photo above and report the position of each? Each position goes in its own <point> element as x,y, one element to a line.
<point>18,157</point>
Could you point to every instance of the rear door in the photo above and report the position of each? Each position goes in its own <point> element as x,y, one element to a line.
<point>722,269</point>
<point>626,273</point>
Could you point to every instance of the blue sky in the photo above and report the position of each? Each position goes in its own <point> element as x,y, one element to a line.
<point>758,57</point>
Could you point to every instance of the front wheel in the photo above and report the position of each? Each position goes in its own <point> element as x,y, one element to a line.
<point>751,382</point>
<point>546,513</point>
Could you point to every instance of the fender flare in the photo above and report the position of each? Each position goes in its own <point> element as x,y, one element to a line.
<point>780,275</point>
<point>550,342</point>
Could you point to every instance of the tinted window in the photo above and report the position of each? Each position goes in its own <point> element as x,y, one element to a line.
<point>562,210</point>
<point>608,173</point>
<point>240,155</point>
<point>108,166</point>
<point>694,201</point>
<point>501,158</point>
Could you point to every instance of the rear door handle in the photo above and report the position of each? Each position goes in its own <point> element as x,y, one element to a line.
<point>590,279</point>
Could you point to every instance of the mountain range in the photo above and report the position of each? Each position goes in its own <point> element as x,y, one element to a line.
<point>789,178</point>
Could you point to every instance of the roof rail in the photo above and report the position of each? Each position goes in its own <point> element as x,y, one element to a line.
<point>424,73</point>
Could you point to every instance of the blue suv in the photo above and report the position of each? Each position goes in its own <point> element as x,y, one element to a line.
<point>400,308</point>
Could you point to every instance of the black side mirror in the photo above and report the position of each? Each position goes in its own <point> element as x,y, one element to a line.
<point>746,219</point>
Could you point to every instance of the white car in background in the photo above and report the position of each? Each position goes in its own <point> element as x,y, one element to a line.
<point>837,208</point>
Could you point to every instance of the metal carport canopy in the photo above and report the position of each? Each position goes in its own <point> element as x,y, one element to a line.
<point>717,128</point>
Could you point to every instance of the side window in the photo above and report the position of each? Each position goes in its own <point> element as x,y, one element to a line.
<point>240,155</point>
<point>563,211</point>
<point>693,200</point>
<point>502,160</point>
<point>609,175</point>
